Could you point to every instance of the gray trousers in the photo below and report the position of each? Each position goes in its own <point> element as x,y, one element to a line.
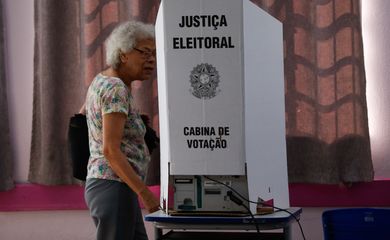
<point>115,210</point>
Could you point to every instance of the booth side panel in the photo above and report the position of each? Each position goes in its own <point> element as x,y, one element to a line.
<point>264,107</point>
<point>163,107</point>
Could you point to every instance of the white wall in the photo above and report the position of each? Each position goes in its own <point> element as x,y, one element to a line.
<point>19,26</point>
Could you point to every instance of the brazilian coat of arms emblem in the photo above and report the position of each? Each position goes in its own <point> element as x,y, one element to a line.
<point>204,81</point>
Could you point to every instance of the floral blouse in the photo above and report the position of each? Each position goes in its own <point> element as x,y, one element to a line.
<point>107,95</point>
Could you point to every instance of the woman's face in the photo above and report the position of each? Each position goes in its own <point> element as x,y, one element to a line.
<point>140,62</point>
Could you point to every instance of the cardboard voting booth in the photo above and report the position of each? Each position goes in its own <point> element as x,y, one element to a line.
<point>221,105</point>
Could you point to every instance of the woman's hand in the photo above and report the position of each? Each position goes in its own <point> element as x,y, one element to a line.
<point>150,201</point>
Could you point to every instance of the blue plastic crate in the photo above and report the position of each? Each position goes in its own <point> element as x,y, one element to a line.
<point>356,224</point>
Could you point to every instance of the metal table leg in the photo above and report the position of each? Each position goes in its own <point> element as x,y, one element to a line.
<point>157,233</point>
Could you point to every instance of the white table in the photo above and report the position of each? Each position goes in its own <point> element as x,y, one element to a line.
<point>223,227</point>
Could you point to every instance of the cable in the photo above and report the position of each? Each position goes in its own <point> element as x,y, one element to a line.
<point>242,197</point>
<point>240,203</point>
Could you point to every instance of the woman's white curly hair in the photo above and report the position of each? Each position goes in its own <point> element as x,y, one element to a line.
<point>123,38</point>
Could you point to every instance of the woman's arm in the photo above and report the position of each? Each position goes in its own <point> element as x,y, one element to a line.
<point>113,127</point>
<point>82,109</point>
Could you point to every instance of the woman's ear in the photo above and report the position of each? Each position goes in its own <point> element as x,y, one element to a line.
<point>122,57</point>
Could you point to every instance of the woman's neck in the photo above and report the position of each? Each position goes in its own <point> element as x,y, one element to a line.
<point>110,72</point>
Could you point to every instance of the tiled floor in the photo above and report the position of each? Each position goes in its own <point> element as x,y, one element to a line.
<point>77,225</point>
<point>51,225</point>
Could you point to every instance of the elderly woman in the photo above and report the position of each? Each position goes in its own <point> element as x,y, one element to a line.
<point>119,156</point>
